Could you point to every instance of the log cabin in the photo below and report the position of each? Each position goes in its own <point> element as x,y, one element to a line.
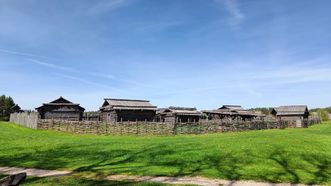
<point>179,114</point>
<point>297,113</point>
<point>61,109</point>
<point>118,110</point>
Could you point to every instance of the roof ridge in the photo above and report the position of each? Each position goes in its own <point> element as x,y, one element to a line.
<point>115,99</point>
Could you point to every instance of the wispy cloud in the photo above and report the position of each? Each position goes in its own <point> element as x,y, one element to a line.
<point>104,6</point>
<point>233,8</point>
<point>79,73</point>
<point>294,75</point>
<point>83,80</point>
<point>50,65</point>
<point>21,53</point>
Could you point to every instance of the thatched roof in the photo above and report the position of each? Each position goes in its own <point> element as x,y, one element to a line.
<point>291,110</point>
<point>126,104</point>
<point>181,111</point>
<point>61,102</point>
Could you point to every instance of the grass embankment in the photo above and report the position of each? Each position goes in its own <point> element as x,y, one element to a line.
<point>290,155</point>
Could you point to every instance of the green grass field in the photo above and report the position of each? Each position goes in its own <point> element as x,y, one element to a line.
<point>289,155</point>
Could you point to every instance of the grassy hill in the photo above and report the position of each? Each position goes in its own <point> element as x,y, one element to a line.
<point>289,155</point>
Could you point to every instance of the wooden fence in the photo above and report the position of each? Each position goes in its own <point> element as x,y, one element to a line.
<point>32,120</point>
<point>158,128</point>
<point>27,119</point>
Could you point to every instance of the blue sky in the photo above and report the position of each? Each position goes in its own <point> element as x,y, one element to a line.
<point>200,53</point>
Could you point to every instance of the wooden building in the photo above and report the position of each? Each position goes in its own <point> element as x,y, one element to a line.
<point>61,109</point>
<point>179,114</point>
<point>291,113</point>
<point>117,110</point>
<point>230,112</point>
<point>15,108</point>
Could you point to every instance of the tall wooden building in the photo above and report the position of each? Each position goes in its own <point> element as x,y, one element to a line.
<point>117,110</point>
<point>61,109</point>
<point>179,114</point>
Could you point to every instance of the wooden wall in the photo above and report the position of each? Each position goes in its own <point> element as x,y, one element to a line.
<point>127,115</point>
<point>71,113</point>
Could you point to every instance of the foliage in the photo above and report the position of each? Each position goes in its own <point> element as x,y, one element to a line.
<point>6,103</point>
<point>263,110</point>
<point>327,109</point>
<point>324,115</point>
<point>287,155</point>
<point>323,112</point>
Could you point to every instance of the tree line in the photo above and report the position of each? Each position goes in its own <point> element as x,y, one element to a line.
<point>323,112</point>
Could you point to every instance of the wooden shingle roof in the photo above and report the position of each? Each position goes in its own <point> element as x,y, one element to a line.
<point>127,104</point>
<point>292,110</point>
<point>182,111</point>
<point>61,102</point>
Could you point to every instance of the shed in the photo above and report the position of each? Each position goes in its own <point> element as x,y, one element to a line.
<point>116,110</point>
<point>297,113</point>
<point>291,112</point>
<point>179,114</point>
<point>61,109</point>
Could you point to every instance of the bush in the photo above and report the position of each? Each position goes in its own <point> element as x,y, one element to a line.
<point>324,115</point>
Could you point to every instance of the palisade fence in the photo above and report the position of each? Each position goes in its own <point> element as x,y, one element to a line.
<point>151,128</point>
<point>27,119</point>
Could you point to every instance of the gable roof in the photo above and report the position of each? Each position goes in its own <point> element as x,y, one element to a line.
<point>61,102</point>
<point>127,104</point>
<point>292,110</point>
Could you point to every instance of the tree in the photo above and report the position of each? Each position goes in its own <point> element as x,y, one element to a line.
<point>324,114</point>
<point>6,103</point>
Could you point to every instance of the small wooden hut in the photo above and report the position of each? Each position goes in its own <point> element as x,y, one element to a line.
<point>179,114</point>
<point>291,112</point>
<point>117,110</point>
<point>61,109</point>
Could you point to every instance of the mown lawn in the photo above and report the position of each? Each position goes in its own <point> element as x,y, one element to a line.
<point>289,155</point>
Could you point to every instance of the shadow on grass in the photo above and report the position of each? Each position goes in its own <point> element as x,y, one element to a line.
<point>166,160</point>
<point>300,168</point>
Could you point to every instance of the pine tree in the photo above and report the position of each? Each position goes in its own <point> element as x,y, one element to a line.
<point>6,103</point>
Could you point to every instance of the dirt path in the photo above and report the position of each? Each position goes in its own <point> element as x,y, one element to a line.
<point>160,179</point>
<point>195,181</point>
<point>33,172</point>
